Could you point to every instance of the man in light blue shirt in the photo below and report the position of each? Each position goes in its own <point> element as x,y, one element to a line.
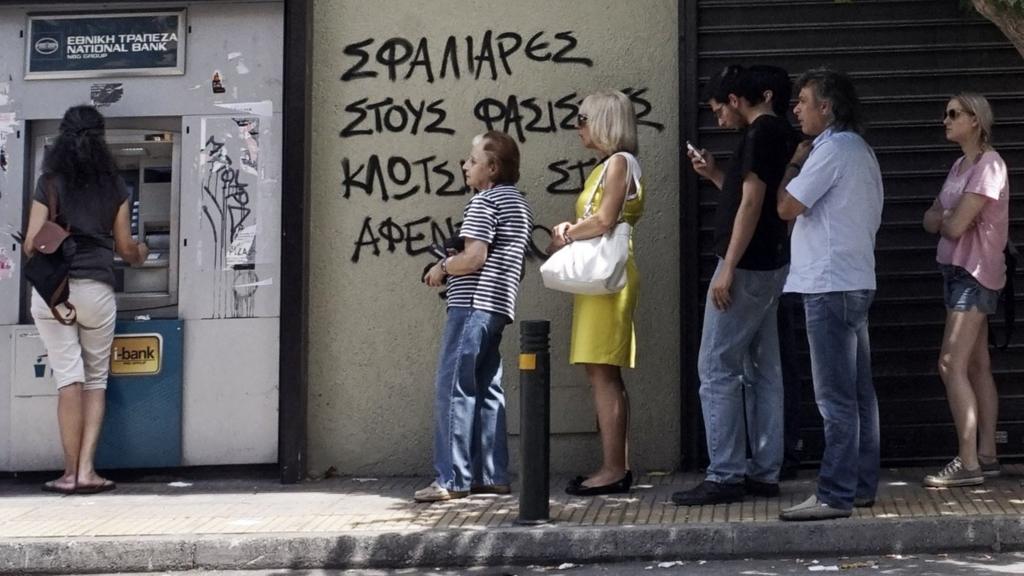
<point>833,188</point>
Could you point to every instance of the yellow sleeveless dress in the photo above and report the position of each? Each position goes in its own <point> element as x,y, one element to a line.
<point>602,326</point>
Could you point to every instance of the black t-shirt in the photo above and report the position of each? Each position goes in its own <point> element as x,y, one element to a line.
<point>92,225</point>
<point>767,145</point>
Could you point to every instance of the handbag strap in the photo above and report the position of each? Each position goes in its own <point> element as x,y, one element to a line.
<point>632,169</point>
<point>49,184</point>
<point>51,201</point>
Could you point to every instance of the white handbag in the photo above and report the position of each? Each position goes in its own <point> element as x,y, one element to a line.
<point>595,265</point>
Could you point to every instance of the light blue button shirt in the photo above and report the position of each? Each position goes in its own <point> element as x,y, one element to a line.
<point>833,242</point>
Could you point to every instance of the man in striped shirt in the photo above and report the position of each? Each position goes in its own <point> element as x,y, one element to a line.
<point>470,444</point>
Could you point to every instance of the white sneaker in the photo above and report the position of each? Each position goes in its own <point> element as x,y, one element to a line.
<point>813,509</point>
<point>436,493</point>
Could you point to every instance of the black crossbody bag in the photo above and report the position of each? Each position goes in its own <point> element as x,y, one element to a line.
<point>47,270</point>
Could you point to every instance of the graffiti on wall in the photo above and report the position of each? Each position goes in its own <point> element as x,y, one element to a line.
<point>488,60</point>
<point>230,179</point>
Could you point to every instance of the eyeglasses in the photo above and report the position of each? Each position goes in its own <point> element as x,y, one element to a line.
<point>953,114</point>
<point>581,120</point>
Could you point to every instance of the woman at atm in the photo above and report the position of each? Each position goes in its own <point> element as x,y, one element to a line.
<point>92,201</point>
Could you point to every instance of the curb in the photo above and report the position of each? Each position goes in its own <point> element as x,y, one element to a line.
<point>547,544</point>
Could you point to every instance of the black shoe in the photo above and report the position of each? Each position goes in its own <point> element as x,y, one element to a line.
<point>758,488</point>
<point>576,487</point>
<point>863,502</point>
<point>708,492</point>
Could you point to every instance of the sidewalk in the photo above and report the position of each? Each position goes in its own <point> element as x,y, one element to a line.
<point>370,522</point>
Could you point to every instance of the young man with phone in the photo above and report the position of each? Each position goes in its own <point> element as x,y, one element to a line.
<point>741,382</point>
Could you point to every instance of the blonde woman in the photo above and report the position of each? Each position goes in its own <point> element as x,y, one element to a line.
<point>971,215</point>
<point>603,340</point>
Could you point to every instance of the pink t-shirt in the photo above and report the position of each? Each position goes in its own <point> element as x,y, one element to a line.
<point>980,249</point>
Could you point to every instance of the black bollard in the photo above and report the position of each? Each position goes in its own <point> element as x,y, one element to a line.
<point>534,420</point>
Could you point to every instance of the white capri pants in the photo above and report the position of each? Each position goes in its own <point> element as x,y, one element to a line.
<point>80,352</point>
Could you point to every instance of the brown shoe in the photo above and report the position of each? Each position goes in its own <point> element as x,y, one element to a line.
<point>500,489</point>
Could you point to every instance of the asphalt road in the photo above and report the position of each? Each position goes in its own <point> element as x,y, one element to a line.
<point>973,564</point>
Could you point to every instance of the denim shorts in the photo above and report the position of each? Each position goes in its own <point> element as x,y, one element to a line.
<point>963,292</point>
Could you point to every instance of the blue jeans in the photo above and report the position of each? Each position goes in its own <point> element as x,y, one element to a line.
<point>741,379</point>
<point>470,444</point>
<point>837,335</point>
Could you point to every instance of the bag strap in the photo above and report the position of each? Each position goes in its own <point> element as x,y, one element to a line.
<point>1009,299</point>
<point>632,167</point>
<point>51,201</point>
<point>72,312</point>
<point>49,183</point>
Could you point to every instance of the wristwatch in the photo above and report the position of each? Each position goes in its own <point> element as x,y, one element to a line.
<point>795,165</point>
<point>444,266</point>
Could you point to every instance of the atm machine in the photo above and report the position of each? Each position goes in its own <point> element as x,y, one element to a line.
<point>196,133</point>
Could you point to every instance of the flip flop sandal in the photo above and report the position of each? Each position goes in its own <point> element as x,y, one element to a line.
<point>106,486</point>
<point>52,486</point>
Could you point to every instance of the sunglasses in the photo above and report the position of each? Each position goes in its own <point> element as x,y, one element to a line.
<point>581,119</point>
<point>953,114</point>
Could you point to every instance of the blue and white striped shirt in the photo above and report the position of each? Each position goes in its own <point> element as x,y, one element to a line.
<point>502,218</point>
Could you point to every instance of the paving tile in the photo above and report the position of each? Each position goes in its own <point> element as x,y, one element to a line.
<point>339,504</point>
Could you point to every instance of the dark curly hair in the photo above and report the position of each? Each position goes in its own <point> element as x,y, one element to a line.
<point>80,156</point>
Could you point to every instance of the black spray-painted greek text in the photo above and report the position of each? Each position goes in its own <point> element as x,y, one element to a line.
<point>389,116</point>
<point>489,56</point>
<point>399,178</point>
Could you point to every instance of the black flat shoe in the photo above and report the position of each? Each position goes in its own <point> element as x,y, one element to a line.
<point>574,483</point>
<point>620,487</point>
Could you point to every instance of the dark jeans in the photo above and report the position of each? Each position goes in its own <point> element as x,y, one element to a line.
<point>789,320</point>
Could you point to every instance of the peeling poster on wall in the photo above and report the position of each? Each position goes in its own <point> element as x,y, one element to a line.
<point>232,183</point>
<point>6,265</point>
<point>8,125</point>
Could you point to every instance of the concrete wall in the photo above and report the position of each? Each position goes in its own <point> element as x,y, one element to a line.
<point>397,99</point>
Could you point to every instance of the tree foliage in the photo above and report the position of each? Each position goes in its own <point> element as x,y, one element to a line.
<point>1007,15</point>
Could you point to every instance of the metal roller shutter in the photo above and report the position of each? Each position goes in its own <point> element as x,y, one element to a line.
<point>906,57</point>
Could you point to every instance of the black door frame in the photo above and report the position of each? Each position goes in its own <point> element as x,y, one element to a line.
<point>297,51</point>
<point>691,442</point>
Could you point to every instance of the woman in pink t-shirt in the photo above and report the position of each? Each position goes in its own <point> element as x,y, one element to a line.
<point>971,215</point>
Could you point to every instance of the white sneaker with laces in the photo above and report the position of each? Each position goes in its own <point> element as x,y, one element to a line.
<point>955,474</point>
<point>437,493</point>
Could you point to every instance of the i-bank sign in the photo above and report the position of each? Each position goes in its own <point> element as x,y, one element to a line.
<point>105,44</point>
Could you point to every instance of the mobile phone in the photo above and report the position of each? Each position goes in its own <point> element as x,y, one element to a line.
<point>437,251</point>
<point>694,151</point>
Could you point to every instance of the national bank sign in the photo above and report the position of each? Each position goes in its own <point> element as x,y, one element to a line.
<point>105,44</point>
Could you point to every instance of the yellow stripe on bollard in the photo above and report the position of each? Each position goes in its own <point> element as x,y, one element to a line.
<point>527,361</point>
